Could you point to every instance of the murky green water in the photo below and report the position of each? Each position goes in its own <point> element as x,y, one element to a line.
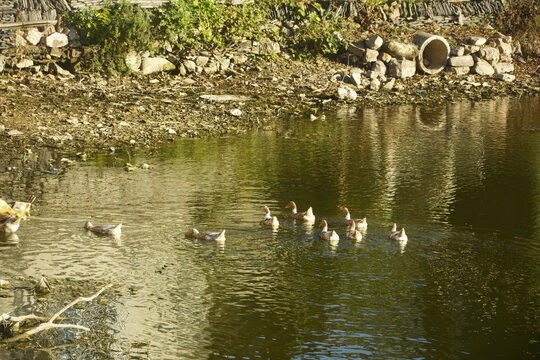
<point>463,179</point>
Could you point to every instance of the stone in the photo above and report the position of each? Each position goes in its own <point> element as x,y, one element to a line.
<point>56,52</point>
<point>460,70</point>
<point>58,70</point>
<point>14,132</point>
<point>506,77</point>
<point>501,68</point>
<point>268,47</point>
<point>202,61</point>
<point>375,84</point>
<point>236,112</point>
<point>240,59</point>
<point>389,84</point>
<point>401,68</point>
<point>357,48</point>
<point>476,40</point>
<point>461,61</point>
<point>56,40</point>
<point>73,35</point>
<point>506,59</point>
<point>460,19</point>
<point>2,128</point>
<point>20,41</point>
<point>378,67</point>
<point>356,76</point>
<point>2,62</point>
<point>505,49</point>
<point>385,57</point>
<point>457,51</point>
<point>370,55</point>
<point>24,63</point>
<point>346,93</point>
<point>33,36</point>
<point>211,68</point>
<point>471,49</point>
<point>489,53</point>
<point>482,67</point>
<point>225,63</point>
<point>190,66</point>
<point>374,42</point>
<point>401,50</point>
<point>133,61</point>
<point>182,70</point>
<point>156,64</point>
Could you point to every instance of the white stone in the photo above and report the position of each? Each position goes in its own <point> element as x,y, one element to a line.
<point>489,53</point>
<point>506,49</point>
<point>371,55</point>
<point>375,84</point>
<point>457,51</point>
<point>346,93</point>
<point>268,47</point>
<point>389,84</point>
<point>356,76</point>
<point>476,40</point>
<point>385,57</point>
<point>133,61</point>
<point>460,70</point>
<point>401,68</point>
<point>374,42</point>
<point>506,77</point>
<point>56,40</point>
<point>482,67</point>
<point>190,66</point>
<point>34,36</point>
<point>460,61</point>
<point>24,63</point>
<point>501,68</point>
<point>236,112</point>
<point>156,64</point>
<point>14,133</point>
<point>378,67</point>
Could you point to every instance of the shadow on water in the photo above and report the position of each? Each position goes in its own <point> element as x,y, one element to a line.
<point>462,178</point>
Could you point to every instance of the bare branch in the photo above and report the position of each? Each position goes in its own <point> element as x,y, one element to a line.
<point>49,324</point>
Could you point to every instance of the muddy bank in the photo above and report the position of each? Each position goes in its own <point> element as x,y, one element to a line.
<point>89,112</point>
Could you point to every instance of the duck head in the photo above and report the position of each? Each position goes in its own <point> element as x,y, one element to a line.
<point>266,210</point>
<point>346,212</point>
<point>324,225</point>
<point>192,232</point>
<point>291,205</point>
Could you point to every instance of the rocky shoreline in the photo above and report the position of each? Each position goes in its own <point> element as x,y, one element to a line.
<point>77,112</point>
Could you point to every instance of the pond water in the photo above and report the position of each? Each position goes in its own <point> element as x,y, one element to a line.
<point>463,179</point>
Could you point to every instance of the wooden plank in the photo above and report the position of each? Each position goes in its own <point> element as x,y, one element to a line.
<point>28,23</point>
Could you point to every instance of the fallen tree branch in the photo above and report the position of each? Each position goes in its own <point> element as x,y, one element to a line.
<point>50,323</point>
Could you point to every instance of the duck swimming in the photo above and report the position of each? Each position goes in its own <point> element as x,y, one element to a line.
<point>306,216</point>
<point>105,229</point>
<point>9,223</point>
<point>398,235</point>
<point>331,236</point>
<point>361,224</point>
<point>352,233</point>
<point>268,219</point>
<point>210,236</point>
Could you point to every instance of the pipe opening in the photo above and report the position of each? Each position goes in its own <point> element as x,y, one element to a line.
<point>433,52</point>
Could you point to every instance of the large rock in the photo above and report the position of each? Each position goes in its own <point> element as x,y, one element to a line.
<point>471,49</point>
<point>457,51</point>
<point>202,60</point>
<point>268,47</point>
<point>357,48</point>
<point>502,67</point>
<point>506,77</point>
<point>460,70</point>
<point>346,93</point>
<point>374,42</point>
<point>460,61</point>
<point>156,64</point>
<point>34,36</point>
<point>356,76</point>
<point>378,68</point>
<point>506,49</point>
<point>375,84</point>
<point>371,55</point>
<point>401,50</point>
<point>190,66</point>
<point>476,40</point>
<point>56,40</point>
<point>489,53</point>
<point>24,63</point>
<point>401,68</point>
<point>482,67</point>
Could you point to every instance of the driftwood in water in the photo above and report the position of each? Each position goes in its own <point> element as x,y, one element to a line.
<point>11,322</point>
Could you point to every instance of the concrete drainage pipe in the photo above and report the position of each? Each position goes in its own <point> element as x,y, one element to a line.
<point>434,51</point>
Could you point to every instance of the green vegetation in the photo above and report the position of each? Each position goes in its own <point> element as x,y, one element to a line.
<point>187,24</point>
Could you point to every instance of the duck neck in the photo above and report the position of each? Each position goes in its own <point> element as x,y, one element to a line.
<point>347,216</point>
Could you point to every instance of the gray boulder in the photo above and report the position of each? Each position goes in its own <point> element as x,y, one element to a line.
<point>476,40</point>
<point>460,70</point>
<point>56,40</point>
<point>489,53</point>
<point>482,67</point>
<point>374,42</point>
<point>356,76</point>
<point>133,61</point>
<point>371,55</point>
<point>460,61</point>
<point>401,68</point>
<point>34,36</point>
<point>378,67</point>
<point>268,47</point>
<point>156,64</point>
<point>501,68</point>
<point>346,93</point>
<point>190,66</point>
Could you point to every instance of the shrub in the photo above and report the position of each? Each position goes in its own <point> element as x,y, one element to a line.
<point>522,20</point>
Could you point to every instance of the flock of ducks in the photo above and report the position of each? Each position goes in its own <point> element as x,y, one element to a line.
<point>10,218</point>
<point>355,227</point>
